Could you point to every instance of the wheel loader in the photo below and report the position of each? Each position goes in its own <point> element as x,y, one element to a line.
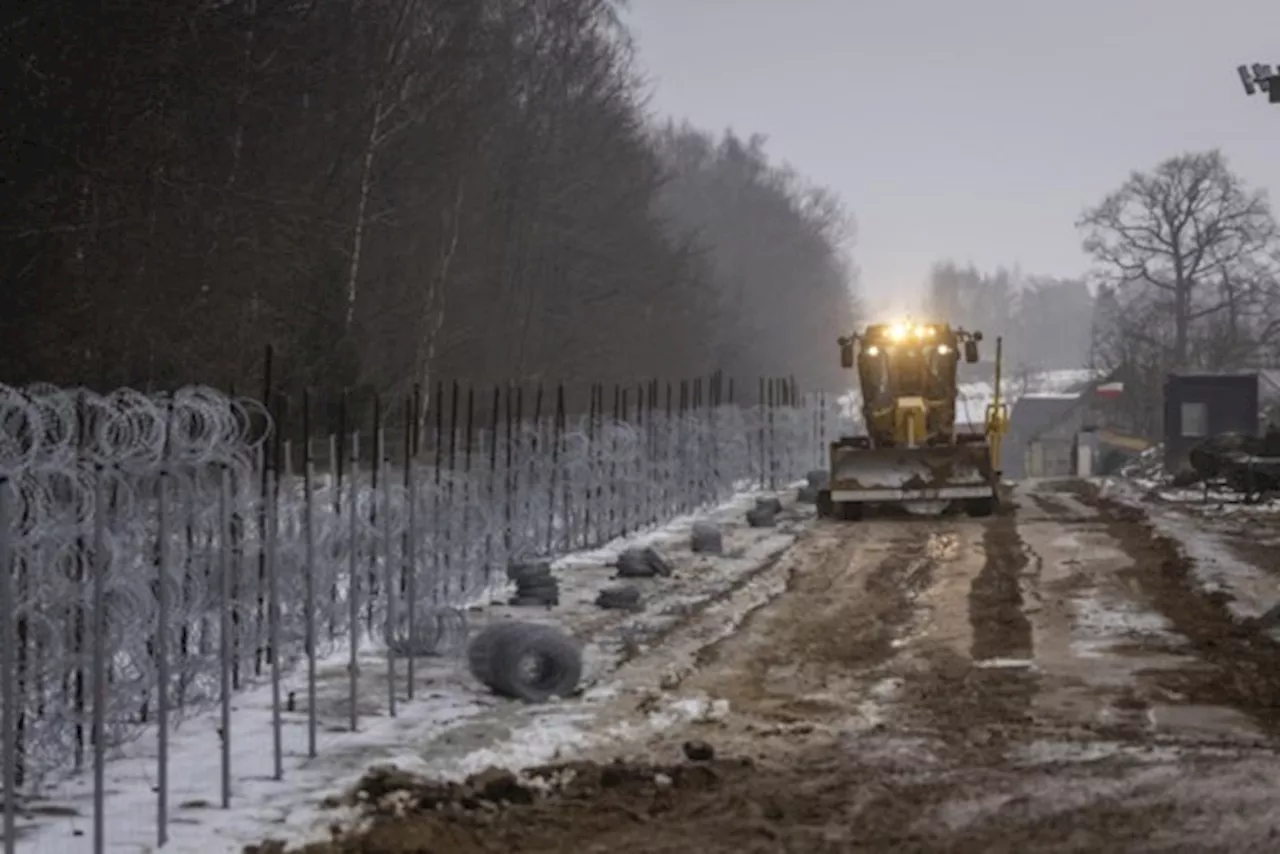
<point>912,454</point>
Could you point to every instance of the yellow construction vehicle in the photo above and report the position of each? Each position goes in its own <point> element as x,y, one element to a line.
<point>912,453</point>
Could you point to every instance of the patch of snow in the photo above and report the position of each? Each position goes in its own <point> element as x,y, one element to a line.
<point>452,726</point>
<point>1046,752</point>
<point>888,688</point>
<point>1116,619</point>
<point>1005,663</point>
<point>1251,592</point>
<point>959,814</point>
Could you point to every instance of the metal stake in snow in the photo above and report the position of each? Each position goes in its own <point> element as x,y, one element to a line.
<point>353,583</point>
<point>273,624</point>
<point>8,683</point>
<point>226,651</point>
<point>309,571</point>
<point>101,566</point>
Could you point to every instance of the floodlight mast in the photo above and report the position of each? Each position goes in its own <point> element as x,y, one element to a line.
<point>1260,78</point>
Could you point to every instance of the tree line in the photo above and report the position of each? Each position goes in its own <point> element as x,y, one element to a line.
<point>389,192</point>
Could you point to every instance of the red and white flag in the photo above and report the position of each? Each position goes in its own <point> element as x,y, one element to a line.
<point>1110,389</point>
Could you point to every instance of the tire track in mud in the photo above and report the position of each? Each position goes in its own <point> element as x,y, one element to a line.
<point>1000,628</point>
<point>1240,658</point>
<point>970,701</point>
<point>812,652</point>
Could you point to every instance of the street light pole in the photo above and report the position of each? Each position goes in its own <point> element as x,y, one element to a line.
<point>1260,78</point>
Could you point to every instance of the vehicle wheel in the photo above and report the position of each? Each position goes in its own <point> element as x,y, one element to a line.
<point>980,507</point>
<point>851,511</point>
<point>826,509</point>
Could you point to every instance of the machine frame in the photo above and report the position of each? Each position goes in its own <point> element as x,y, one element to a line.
<point>912,445</point>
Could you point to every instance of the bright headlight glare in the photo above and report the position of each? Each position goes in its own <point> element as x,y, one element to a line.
<point>873,350</point>
<point>943,349</point>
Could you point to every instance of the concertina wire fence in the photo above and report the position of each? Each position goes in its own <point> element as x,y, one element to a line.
<point>156,557</point>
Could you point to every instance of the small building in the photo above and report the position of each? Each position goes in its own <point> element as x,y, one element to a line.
<point>1200,405</point>
<point>1078,433</point>
<point>1042,436</point>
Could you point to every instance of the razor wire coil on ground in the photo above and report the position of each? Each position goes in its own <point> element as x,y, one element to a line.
<point>167,497</point>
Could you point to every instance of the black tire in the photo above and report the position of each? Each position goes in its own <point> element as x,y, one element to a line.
<point>770,503</point>
<point>519,572</point>
<point>534,663</point>
<point>826,510</point>
<point>619,599</point>
<point>980,508</point>
<point>643,562</point>
<point>850,511</point>
<point>542,598</point>
<point>537,585</point>
<point>761,517</point>
<point>705,538</point>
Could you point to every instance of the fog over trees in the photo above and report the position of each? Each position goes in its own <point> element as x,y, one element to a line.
<point>1045,321</point>
<point>1185,276</point>
<point>389,192</point>
<point>397,191</point>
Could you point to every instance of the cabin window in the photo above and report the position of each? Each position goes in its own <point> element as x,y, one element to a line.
<point>1195,420</point>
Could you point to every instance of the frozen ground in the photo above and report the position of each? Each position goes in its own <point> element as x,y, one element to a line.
<point>1052,680</point>
<point>451,727</point>
<point>1228,542</point>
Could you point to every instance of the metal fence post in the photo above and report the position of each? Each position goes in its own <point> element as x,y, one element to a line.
<point>8,679</point>
<point>98,630</point>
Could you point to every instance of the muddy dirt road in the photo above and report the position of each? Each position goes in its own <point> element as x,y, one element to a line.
<point>1047,681</point>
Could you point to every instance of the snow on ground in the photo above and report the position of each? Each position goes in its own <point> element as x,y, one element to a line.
<point>1100,623</point>
<point>451,728</point>
<point>1251,592</point>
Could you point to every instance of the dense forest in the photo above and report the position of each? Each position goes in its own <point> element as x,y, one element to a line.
<point>388,192</point>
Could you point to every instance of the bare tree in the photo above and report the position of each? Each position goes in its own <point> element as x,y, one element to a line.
<point>1188,242</point>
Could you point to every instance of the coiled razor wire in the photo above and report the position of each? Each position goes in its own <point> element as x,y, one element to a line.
<point>149,509</point>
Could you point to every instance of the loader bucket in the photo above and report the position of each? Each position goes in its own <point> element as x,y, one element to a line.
<point>940,473</point>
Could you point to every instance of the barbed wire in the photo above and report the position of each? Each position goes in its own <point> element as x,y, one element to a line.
<point>162,494</point>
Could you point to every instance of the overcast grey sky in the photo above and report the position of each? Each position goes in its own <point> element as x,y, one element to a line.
<point>970,129</point>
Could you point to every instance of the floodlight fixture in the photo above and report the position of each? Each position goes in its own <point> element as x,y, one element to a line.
<point>1260,77</point>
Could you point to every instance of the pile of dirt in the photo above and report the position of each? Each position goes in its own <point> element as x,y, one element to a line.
<point>825,801</point>
<point>497,810</point>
